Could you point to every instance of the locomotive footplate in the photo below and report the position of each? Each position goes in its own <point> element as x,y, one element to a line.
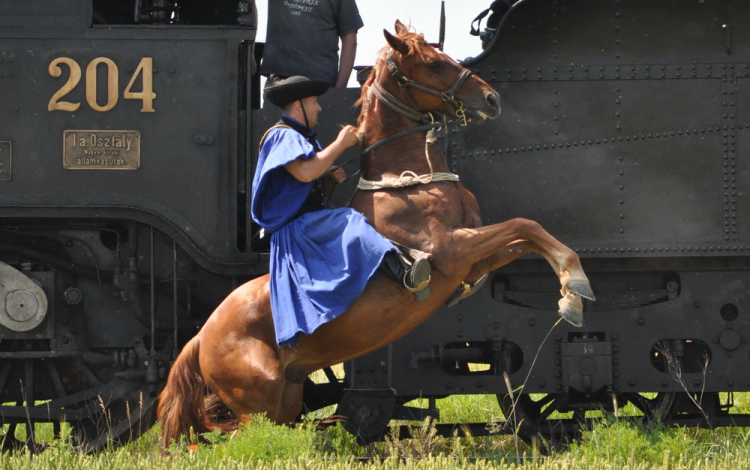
<point>587,363</point>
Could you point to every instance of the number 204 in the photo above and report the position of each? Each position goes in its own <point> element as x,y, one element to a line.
<point>145,70</point>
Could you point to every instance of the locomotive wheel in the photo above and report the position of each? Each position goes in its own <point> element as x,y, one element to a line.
<point>703,406</point>
<point>100,412</point>
<point>659,408</point>
<point>367,416</point>
<point>116,422</point>
<point>529,418</point>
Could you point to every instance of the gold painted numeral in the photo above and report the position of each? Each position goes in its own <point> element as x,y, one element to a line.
<point>75,76</point>
<point>112,76</point>
<point>144,70</point>
<point>147,95</point>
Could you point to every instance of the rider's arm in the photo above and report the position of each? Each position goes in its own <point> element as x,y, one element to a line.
<point>313,168</point>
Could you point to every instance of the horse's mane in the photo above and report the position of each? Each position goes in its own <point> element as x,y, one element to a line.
<point>416,43</point>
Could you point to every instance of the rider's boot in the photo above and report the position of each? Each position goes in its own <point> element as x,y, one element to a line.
<point>413,275</point>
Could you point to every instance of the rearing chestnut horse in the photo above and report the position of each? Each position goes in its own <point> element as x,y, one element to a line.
<point>410,197</point>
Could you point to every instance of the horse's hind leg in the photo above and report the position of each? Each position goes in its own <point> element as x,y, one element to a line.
<point>290,405</point>
<point>245,374</point>
<point>261,387</point>
<point>253,390</point>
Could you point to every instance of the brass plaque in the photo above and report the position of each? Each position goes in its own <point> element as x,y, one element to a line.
<point>5,160</point>
<point>101,150</point>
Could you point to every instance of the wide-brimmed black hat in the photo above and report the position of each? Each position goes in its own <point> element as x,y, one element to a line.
<point>294,88</point>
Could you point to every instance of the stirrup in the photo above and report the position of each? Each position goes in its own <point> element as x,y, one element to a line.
<point>417,277</point>
<point>414,276</point>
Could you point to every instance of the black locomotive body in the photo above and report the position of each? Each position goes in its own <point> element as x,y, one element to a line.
<point>128,132</point>
<point>122,200</point>
<point>622,133</point>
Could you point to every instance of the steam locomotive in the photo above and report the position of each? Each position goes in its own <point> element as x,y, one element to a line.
<point>124,214</point>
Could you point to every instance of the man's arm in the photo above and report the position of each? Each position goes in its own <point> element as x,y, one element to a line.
<point>313,168</point>
<point>346,63</point>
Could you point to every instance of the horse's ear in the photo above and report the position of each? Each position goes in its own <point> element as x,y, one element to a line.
<point>396,43</point>
<point>400,28</point>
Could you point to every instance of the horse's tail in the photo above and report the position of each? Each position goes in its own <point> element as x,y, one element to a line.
<point>182,403</point>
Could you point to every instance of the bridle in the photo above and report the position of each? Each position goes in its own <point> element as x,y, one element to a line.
<point>426,120</point>
<point>412,112</point>
<point>448,96</point>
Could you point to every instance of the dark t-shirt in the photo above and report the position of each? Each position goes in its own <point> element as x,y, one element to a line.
<point>303,37</point>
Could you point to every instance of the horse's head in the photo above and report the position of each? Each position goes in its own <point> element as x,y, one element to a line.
<point>427,80</point>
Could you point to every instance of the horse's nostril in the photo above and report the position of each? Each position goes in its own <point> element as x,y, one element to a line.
<point>493,100</point>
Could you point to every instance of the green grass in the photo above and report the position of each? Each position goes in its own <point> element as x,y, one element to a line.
<point>613,443</point>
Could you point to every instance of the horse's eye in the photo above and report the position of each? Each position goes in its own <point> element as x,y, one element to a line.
<point>434,66</point>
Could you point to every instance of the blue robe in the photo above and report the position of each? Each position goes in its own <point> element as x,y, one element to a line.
<point>320,261</point>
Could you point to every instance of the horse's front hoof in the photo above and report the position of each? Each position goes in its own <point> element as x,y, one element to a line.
<point>571,310</point>
<point>573,317</point>
<point>581,288</point>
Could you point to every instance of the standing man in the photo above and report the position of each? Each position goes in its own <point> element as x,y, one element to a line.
<point>321,259</point>
<point>303,39</point>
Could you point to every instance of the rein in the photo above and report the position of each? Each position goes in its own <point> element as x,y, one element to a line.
<point>426,127</point>
<point>413,113</point>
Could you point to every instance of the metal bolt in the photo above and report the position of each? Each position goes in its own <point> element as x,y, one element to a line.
<point>73,295</point>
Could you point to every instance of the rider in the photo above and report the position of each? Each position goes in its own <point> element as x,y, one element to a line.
<point>321,258</point>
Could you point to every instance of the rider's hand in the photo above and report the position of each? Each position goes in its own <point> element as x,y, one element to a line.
<point>348,135</point>
<point>337,174</point>
<point>333,176</point>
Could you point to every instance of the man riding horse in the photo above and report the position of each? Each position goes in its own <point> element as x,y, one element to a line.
<point>321,258</point>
